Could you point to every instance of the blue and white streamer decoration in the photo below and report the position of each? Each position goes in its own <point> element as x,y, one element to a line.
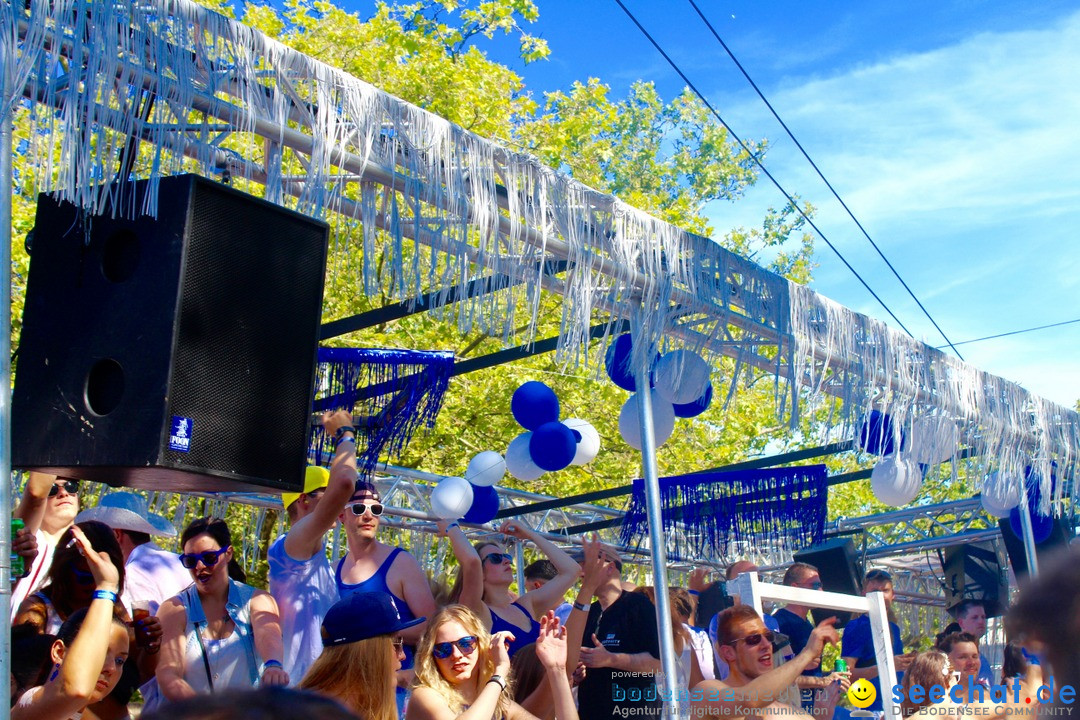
<point>721,508</point>
<point>397,391</point>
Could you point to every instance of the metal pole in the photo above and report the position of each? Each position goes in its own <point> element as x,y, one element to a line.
<point>7,110</point>
<point>1027,533</point>
<point>656,541</point>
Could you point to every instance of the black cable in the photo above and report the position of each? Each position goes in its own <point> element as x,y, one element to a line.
<point>758,162</point>
<point>1017,332</point>
<point>822,176</point>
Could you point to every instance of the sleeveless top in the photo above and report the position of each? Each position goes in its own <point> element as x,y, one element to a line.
<point>521,637</point>
<point>52,618</point>
<point>233,661</point>
<point>377,583</point>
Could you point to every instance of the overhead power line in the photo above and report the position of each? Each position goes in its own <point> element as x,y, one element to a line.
<point>760,165</point>
<point>1015,332</point>
<point>821,175</point>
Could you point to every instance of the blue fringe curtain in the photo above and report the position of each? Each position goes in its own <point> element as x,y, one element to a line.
<point>718,508</point>
<point>392,392</point>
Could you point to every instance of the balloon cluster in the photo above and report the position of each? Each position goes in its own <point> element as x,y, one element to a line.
<point>897,478</point>
<point>472,498</point>
<point>547,444</point>
<point>680,387</point>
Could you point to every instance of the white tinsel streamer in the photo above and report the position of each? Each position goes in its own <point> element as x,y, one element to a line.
<point>227,99</point>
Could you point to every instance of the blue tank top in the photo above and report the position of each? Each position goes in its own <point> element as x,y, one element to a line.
<point>377,583</point>
<point>521,637</point>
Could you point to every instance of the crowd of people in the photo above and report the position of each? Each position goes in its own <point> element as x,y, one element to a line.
<point>103,612</point>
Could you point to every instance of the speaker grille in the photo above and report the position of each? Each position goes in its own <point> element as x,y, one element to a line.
<point>235,361</point>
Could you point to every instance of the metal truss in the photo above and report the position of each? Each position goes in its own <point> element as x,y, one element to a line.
<point>918,529</point>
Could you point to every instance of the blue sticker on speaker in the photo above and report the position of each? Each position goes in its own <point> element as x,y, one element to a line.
<point>180,434</point>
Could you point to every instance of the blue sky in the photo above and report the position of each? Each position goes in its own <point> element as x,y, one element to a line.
<point>951,129</point>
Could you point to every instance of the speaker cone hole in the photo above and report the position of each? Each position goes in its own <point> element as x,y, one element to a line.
<point>104,386</point>
<point>120,255</point>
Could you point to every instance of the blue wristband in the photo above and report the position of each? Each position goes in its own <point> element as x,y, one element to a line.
<point>271,664</point>
<point>105,595</point>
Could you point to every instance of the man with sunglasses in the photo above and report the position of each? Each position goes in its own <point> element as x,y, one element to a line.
<point>48,507</point>
<point>753,684</point>
<point>301,579</point>
<point>372,566</point>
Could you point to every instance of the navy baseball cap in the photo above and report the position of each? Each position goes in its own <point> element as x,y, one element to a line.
<point>361,616</point>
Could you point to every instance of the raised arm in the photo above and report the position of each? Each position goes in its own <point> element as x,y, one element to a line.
<point>83,660</point>
<point>428,704</point>
<point>763,690</point>
<point>471,568</point>
<point>304,539</point>
<point>32,505</point>
<point>593,569</point>
<point>266,627</point>
<point>551,651</point>
<point>549,596</point>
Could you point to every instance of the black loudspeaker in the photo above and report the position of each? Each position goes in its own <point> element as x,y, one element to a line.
<point>839,570</point>
<point>973,572</point>
<point>175,353</point>
<point>1060,535</point>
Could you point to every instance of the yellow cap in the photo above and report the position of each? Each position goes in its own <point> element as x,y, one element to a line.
<point>314,478</point>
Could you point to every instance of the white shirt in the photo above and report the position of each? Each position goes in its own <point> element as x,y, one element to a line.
<point>39,570</point>
<point>153,574</point>
<point>304,590</point>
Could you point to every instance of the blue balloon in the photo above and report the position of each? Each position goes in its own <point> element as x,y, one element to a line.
<point>552,446</point>
<point>534,404</point>
<point>617,362</point>
<point>876,434</point>
<point>1041,525</point>
<point>696,407</point>
<point>485,505</point>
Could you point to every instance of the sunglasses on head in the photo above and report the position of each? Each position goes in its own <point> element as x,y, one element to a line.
<point>754,639</point>
<point>444,650</point>
<point>360,508</point>
<point>71,487</point>
<point>498,558</point>
<point>208,558</point>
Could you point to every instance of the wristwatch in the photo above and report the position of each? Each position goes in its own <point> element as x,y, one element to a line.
<point>581,606</point>
<point>497,679</point>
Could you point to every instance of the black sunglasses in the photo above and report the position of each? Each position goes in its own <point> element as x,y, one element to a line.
<point>444,650</point>
<point>499,558</point>
<point>360,508</point>
<point>71,487</point>
<point>754,639</point>
<point>208,558</point>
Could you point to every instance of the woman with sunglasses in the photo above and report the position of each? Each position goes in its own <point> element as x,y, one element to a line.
<point>487,571</point>
<point>89,651</point>
<point>219,632</point>
<point>463,671</point>
<point>362,653</point>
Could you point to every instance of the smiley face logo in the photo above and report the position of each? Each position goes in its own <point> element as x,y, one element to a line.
<point>862,694</point>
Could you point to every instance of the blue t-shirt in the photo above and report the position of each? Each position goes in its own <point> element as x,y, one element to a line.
<point>858,642</point>
<point>304,591</point>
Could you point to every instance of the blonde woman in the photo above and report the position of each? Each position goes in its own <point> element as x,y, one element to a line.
<point>362,652</point>
<point>463,672</point>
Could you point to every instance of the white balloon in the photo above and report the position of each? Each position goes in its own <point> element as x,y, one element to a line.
<point>452,498</point>
<point>518,460</point>
<point>1000,494</point>
<point>933,440</point>
<point>663,416</point>
<point>896,480</point>
<point>486,468</point>
<point>681,376</point>
<point>589,445</point>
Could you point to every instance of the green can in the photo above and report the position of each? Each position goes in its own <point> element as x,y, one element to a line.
<point>840,665</point>
<point>18,567</point>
